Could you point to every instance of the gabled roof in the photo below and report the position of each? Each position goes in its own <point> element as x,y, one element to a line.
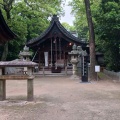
<point>5,33</point>
<point>55,24</point>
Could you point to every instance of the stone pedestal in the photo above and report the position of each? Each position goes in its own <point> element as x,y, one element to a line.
<point>74,76</point>
<point>30,89</point>
<point>2,90</point>
<point>28,65</point>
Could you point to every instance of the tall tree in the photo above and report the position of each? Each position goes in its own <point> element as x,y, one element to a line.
<point>80,22</point>
<point>91,40</point>
<point>107,17</point>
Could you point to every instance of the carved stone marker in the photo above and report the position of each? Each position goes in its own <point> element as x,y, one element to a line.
<point>84,66</point>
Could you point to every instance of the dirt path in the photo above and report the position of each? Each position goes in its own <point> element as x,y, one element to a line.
<point>60,98</point>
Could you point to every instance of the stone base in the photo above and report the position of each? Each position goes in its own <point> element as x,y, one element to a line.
<point>30,95</point>
<point>75,77</point>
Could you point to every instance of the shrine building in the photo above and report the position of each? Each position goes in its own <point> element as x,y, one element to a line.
<point>53,45</point>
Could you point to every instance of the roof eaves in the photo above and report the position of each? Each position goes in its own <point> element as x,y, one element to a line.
<point>9,33</point>
<point>41,35</point>
<point>68,34</point>
<point>56,21</point>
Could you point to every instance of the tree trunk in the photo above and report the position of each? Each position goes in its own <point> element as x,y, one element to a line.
<point>5,52</point>
<point>91,41</point>
<point>5,49</point>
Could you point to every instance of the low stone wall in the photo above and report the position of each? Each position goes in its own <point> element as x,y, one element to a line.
<point>114,75</point>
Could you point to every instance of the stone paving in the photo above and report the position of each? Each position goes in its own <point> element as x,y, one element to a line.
<point>60,98</point>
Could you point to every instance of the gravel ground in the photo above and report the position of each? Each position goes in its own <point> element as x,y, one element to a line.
<point>60,98</point>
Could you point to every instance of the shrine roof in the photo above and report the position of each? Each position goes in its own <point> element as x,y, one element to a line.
<point>55,23</point>
<point>5,33</point>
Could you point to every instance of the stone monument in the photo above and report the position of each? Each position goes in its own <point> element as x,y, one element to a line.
<point>84,66</point>
<point>79,48</point>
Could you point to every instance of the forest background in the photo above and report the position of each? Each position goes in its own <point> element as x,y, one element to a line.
<point>29,18</point>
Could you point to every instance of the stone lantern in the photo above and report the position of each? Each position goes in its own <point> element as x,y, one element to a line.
<point>74,60</point>
<point>25,54</point>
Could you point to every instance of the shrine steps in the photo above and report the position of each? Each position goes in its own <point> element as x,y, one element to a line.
<point>49,73</point>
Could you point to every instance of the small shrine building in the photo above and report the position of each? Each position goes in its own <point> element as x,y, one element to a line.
<point>53,45</point>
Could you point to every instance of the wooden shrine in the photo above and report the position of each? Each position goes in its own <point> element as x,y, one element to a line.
<point>53,45</point>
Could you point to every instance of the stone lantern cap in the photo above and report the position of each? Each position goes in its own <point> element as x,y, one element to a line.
<point>18,63</point>
<point>74,51</point>
<point>74,47</point>
<point>25,52</point>
<point>26,48</point>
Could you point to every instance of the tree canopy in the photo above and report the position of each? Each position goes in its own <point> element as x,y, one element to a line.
<point>108,31</point>
<point>106,19</point>
<point>27,18</point>
<point>68,27</point>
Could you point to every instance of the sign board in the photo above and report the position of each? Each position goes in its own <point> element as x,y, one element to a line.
<point>97,68</point>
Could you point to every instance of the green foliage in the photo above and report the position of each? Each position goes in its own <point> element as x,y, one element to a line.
<point>78,9</point>
<point>28,18</point>
<point>106,19</point>
<point>108,30</point>
<point>68,27</point>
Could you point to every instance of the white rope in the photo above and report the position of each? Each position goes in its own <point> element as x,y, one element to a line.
<point>35,54</point>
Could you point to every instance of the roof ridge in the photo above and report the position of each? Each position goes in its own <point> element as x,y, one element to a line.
<point>55,20</point>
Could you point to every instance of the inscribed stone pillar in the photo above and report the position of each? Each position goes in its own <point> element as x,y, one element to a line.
<point>2,89</point>
<point>30,89</point>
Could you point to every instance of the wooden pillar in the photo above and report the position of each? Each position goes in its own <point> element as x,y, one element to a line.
<point>51,52</point>
<point>64,59</point>
<point>39,59</point>
<point>30,96</point>
<point>2,90</point>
